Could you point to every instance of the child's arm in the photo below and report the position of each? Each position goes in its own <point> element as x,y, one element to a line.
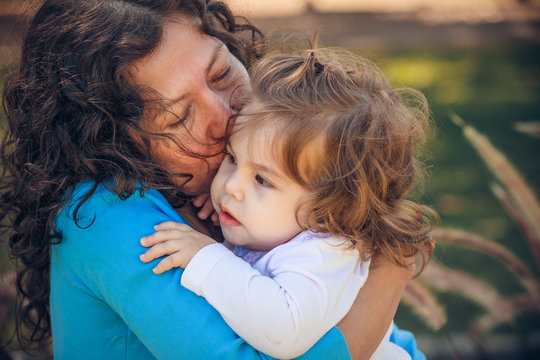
<point>310,286</point>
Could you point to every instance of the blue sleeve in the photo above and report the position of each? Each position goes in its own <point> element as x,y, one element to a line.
<point>406,340</point>
<point>171,321</point>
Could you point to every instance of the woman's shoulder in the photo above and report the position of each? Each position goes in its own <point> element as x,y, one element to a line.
<point>104,193</point>
<point>89,205</point>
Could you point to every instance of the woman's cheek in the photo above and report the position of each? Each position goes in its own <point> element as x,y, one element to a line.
<point>239,89</point>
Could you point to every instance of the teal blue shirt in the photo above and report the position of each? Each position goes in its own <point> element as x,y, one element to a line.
<point>107,304</point>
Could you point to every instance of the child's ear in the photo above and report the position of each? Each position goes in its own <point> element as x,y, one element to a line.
<point>305,217</point>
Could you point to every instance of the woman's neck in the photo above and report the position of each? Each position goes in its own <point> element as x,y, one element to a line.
<point>189,213</point>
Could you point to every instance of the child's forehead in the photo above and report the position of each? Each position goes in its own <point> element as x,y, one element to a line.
<point>259,148</point>
<point>259,143</point>
<point>258,138</point>
<point>269,141</point>
<point>252,123</point>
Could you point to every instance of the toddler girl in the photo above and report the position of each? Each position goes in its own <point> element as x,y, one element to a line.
<point>313,185</point>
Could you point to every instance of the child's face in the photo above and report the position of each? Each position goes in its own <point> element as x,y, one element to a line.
<point>256,202</point>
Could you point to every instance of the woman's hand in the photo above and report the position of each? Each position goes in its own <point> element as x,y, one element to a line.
<point>374,308</point>
<point>206,208</point>
<point>179,241</point>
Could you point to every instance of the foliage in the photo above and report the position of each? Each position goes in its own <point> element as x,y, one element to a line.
<point>521,203</point>
<point>497,89</point>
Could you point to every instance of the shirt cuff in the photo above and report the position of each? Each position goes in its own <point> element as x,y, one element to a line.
<point>200,265</point>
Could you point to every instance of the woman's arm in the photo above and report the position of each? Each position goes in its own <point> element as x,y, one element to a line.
<point>99,263</point>
<point>374,308</point>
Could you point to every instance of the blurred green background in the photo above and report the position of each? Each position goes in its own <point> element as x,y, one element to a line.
<point>491,88</point>
<point>482,65</point>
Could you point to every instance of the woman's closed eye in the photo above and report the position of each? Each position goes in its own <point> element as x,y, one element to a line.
<point>179,120</point>
<point>224,75</point>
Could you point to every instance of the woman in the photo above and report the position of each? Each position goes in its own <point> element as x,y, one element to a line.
<point>119,110</point>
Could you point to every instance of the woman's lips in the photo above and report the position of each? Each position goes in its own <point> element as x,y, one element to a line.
<point>227,219</point>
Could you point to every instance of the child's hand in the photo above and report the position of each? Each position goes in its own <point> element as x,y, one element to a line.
<point>206,208</point>
<point>179,241</point>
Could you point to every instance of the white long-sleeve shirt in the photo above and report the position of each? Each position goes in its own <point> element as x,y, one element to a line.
<point>288,299</point>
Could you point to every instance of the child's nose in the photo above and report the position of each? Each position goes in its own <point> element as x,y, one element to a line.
<point>234,187</point>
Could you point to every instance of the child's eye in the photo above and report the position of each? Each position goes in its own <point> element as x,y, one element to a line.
<point>232,159</point>
<point>262,181</point>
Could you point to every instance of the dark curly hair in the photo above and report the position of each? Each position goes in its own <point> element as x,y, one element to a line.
<point>72,113</point>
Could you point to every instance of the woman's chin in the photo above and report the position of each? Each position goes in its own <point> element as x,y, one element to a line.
<point>196,186</point>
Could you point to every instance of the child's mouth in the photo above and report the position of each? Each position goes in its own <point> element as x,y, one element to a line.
<point>225,218</point>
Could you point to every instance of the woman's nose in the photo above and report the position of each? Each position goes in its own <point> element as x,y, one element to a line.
<point>218,113</point>
<point>233,186</point>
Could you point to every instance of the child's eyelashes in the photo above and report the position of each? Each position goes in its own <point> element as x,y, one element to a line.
<point>258,178</point>
<point>262,181</point>
<point>231,158</point>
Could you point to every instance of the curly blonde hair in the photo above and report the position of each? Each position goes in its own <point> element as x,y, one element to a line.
<point>350,139</point>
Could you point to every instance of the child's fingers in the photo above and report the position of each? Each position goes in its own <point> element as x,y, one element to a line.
<point>174,260</point>
<point>161,236</point>
<point>172,225</point>
<point>159,250</point>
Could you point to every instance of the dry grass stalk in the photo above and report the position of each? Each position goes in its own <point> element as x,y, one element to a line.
<point>486,322</point>
<point>522,304</point>
<point>499,165</point>
<point>474,241</point>
<point>514,212</point>
<point>451,280</point>
<point>529,128</point>
<point>525,302</point>
<point>522,205</point>
<point>424,304</point>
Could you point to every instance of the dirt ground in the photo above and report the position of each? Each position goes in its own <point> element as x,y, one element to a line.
<point>376,31</point>
<point>390,24</point>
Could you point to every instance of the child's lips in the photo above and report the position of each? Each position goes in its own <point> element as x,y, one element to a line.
<point>225,218</point>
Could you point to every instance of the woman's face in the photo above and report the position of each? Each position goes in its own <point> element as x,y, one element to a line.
<point>200,81</point>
